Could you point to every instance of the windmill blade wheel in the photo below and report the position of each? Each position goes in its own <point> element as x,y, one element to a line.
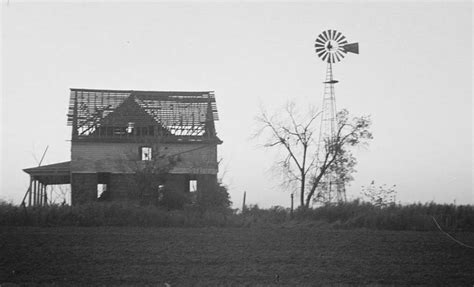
<point>331,46</point>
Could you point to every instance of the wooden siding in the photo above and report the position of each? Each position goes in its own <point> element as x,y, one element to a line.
<point>121,186</point>
<point>91,157</point>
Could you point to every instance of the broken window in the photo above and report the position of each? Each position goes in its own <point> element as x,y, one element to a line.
<point>192,185</point>
<point>130,127</point>
<point>193,190</point>
<point>103,180</point>
<point>101,189</point>
<point>146,153</point>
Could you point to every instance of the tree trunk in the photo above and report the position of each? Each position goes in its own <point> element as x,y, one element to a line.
<point>303,174</point>
<point>303,179</point>
<point>315,185</point>
<point>318,179</point>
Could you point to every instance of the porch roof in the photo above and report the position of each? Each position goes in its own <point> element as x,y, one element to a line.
<point>56,173</point>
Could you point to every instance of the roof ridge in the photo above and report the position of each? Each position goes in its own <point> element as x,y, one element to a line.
<point>134,91</point>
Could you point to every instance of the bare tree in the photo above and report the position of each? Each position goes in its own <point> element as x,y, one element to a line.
<point>296,135</point>
<point>304,162</point>
<point>149,176</point>
<point>335,154</point>
<point>151,171</point>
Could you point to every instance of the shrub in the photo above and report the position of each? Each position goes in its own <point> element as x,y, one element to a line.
<point>216,198</point>
<point>110,214</point>
<point>345,215</point>
<point>171,199</point>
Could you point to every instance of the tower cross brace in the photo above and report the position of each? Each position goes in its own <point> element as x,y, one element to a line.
<point>332,187</point>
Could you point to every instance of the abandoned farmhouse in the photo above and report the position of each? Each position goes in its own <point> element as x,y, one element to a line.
<point>120,134</point>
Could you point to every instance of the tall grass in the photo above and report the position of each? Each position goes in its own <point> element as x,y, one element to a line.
<point>110,214</point>
<point>394,217</point>
<point>346,215</point>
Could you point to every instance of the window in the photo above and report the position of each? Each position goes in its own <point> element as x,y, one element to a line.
<point>193,190</point>
<point>101,189</point>
<point>146,153</point>
<point>192,185</point>
<point>130,127</point>
<point>103,180</point>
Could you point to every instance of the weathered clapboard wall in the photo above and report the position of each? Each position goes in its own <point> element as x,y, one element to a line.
<point>118,157</point>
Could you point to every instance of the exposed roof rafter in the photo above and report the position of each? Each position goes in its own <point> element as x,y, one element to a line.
<point>182,113</point>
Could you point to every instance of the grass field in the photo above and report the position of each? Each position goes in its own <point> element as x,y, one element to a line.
<point>300,255</point>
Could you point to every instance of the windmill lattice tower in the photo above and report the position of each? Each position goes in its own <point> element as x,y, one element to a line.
<point>331,46</point>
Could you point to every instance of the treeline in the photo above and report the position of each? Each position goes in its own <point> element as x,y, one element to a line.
<point>353,214</point>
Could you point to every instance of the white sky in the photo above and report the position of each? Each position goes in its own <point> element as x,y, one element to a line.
<point>413,76</point>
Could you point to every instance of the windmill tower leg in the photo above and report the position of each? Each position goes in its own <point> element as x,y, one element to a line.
<point>333,188</point>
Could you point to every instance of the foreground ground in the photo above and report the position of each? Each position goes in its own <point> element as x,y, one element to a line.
<point>239,256</point>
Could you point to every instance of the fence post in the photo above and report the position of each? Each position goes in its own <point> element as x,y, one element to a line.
<point>243,202</point>
<point>291,210</point>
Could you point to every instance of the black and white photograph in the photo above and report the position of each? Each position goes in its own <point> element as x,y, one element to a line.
<point>236,143</point>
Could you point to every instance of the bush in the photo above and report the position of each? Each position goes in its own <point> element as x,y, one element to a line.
<point>214,198</point>
<point>173,199</point>
<point>345,215</point>
<point>110,214</point>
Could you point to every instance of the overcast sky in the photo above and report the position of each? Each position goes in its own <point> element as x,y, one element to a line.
<point>413,76</point>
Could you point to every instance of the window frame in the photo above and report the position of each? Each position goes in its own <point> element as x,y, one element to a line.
<point>192,183</point>
<point>141,153</point>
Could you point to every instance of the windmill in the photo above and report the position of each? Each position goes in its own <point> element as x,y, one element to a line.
<point>331,46</point>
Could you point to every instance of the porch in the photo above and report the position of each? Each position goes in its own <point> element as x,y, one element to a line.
<point>41,177</point>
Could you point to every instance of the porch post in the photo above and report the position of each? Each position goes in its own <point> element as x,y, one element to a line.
<point>41,194</point>
<point>30,190</point>
<point>37,192</point>
<point>34,191</point>
<point>45,193</point>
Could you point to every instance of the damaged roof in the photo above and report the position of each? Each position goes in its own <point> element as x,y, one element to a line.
<point>181,113</point>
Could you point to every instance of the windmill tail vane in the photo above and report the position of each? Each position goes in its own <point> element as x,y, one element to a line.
<point>352,48</point>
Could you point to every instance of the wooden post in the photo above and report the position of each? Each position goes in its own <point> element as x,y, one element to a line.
<point>40,190</point>
<point>34,192</point>
<point>41,194</point>
<point>29,190</point>
<point>291,210</point>
<point>45,199</point>
<point>37,192</point>
<point>243,202</point>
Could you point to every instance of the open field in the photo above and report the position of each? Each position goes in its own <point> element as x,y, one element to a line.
<point>300,255</point>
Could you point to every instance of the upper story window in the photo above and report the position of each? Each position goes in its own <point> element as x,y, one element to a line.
<point>130,127</point>
<point>145,152</point>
